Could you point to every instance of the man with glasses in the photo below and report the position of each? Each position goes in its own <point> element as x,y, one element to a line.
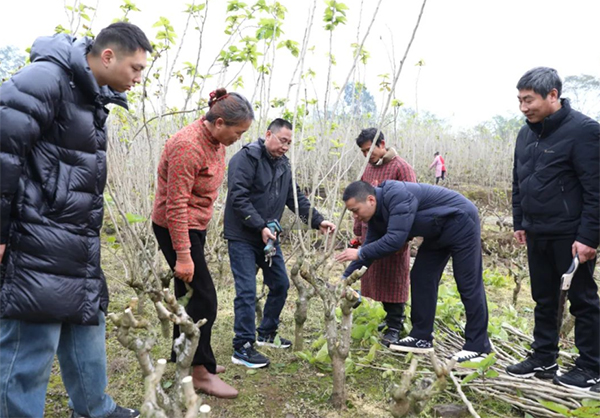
<point>259,188</point>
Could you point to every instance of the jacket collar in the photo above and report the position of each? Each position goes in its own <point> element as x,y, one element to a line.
<point>552,122</point>
<point>258,150</point>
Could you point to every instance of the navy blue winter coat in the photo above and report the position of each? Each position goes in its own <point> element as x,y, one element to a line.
<point>408,210</point>
<point>259,189</point>
<point>556,177</point>
<point>53,173</point>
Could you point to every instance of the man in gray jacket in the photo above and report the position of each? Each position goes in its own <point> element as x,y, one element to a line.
<point>53,295</point>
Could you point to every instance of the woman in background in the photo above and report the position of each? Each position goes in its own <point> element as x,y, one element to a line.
<point>440,167</point>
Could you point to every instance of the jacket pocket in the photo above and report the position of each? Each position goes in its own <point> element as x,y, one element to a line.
<point>58,196</point>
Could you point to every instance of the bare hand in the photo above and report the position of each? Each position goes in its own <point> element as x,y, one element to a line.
<point>184,266</point>
<point>267,234</point>
<point>584,252</point>
<point>349,254</point>
<point>2,249</point>
<point>327,227</point>
<point>520,236</point>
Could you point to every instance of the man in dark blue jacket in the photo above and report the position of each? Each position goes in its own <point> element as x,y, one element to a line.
<point>260,186</point>
<point>449,224</point>
<point>556,182</point>
<point>53,296</point>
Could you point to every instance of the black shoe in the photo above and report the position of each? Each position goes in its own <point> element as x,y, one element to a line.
<point>249,357</point>
<point>578,378</point>
<point>119,412</point>
<point>271,341</point>
<point>532,367</point>
<point>412,345</point>
<point>391,336</point>
<point>472,356</point>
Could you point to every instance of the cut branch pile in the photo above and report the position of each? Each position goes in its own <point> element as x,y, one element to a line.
<point>524,394</point>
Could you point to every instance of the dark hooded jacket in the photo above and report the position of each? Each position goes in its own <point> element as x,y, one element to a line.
<point>259,189</point>
<point>53,172</point>
<point>556,177</point>
<point>406,210</point>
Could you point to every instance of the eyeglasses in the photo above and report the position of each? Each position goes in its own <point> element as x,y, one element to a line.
<point>286,142</point>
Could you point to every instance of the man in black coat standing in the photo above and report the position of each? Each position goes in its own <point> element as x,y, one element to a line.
<point>260,186</point>
<point>53,295</point>
<point>449,224</point>
<point>556,185</point>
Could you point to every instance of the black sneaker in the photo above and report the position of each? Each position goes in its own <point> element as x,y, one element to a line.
<point>249,357</point>
<point>578,378</point>
<point>472,356</point>
<point>532,367</point>
<point>273,341</point>
<point>391,336</point>
<point>412,345</point>
<point>119,412</point>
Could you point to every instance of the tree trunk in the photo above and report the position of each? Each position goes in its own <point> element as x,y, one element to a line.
<point>300,317</point>
<point>338,397</point>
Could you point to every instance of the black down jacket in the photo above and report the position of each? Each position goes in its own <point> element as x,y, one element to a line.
<point>259,189</point>
<point>53,172</point>
<point>406,210</point>
<point>556,177</point>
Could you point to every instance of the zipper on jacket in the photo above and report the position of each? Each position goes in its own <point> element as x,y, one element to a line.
<point>562,191</point>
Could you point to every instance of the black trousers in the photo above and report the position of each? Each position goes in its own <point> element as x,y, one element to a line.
<point>395,315</point>
<point>461,239</point>
<point>203,303</point>
<point>548,260</point>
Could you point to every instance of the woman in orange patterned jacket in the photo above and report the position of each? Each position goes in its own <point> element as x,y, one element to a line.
<point>190,172</point>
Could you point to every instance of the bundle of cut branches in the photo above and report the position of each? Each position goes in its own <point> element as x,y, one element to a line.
<point>540,398</point>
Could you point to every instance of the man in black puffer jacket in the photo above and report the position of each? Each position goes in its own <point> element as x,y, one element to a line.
<point>556,209</point>
<point>53,296</point>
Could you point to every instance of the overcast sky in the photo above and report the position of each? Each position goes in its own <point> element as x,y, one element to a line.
<point>474,51</point>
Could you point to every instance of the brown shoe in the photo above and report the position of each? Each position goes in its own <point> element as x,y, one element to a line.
<point>211,384</point>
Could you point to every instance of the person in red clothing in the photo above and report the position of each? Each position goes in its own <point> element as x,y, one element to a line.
<point>440,167</point>
<point>190,172</point>
<point>387,280</point>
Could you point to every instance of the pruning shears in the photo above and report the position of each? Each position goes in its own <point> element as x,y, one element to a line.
<point>270,249</point>
<point>565,285</point>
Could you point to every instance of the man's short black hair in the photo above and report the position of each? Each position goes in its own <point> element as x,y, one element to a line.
<point>367,135</point>
<point>279,123</point>
<point>359,190</point>
<point>122,36</point>
<point>541,80</point>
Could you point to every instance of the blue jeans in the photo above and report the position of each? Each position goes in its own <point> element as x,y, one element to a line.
<point>244,258</point>
<point>26,354</point>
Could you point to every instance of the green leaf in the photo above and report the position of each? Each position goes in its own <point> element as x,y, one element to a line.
<point>553,406</point>
<point>492,373</point>
<point>488,361</point>
<point>304,355</point>
<point>167,384</point>
<point>470,377</point>
<point>470,364</point>
<point>111,239</point>
<point>132,218</point>
<point>591,402</point>
<point>251,371</point>
<point>323,355</point>
<point>358,332</point>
